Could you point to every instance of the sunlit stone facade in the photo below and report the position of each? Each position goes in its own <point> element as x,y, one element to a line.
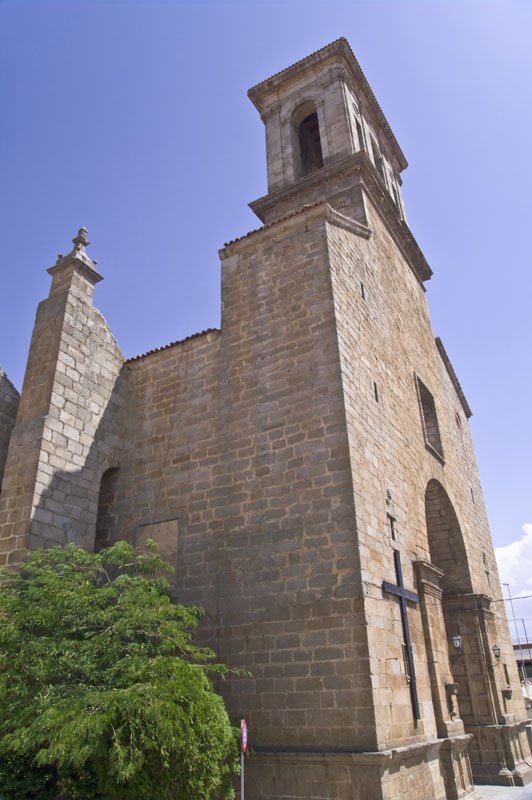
<point>308,469</point>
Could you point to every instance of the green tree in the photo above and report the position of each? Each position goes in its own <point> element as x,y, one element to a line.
<point>102,690</point>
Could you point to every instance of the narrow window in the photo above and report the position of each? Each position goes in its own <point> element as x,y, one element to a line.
<point>391,523</point>
<point>395,195</point>
<point>377,157</point>
<point>310,144</point>
<point>360,134</point>
<point>429,418</point>
<point>106,520</point>
<point>362,292</point>
<point>375,391</point>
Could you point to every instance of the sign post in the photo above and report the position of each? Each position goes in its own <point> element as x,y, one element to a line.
<point>243,751</point>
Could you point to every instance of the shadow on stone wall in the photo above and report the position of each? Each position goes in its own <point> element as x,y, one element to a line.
<point>9,400</point>
<point>67,509</point>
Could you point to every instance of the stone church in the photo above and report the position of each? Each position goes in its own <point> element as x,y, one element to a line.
<point>308,469</point>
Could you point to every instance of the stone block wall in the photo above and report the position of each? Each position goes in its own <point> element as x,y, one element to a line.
<point>291,606</point>
<point>9,400</point>
<point>236,442</point>
<point>386,340</point>
<point>168,474</point>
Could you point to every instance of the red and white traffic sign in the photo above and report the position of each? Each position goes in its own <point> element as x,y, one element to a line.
<point>243,735</point>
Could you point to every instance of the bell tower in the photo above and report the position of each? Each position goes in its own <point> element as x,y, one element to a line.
<point>322,120</point>
<point>362,484</point>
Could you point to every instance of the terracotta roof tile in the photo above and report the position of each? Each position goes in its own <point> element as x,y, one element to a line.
<point>297,63</point>
<point>275,222</point>
<point>172,344</point>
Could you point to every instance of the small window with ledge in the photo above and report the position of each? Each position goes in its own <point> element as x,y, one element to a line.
<point>429,419</point>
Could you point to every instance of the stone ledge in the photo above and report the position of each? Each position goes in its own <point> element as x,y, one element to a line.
<point>452,375</point>
<point>370,757</point>
<point>366,177</point>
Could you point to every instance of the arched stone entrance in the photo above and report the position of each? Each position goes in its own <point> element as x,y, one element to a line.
<point>473,693</point>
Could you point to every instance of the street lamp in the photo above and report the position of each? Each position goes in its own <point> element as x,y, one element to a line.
<point>457,643</point>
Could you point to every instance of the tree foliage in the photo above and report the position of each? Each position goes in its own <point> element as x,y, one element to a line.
<point>101,685</point>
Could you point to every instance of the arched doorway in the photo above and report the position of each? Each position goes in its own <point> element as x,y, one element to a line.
<point>448,553</point>
<point>468,615</point>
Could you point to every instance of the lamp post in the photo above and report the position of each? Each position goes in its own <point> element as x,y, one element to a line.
<point>243,751</point>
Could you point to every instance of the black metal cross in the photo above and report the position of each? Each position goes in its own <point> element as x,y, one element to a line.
<point>404,595</point>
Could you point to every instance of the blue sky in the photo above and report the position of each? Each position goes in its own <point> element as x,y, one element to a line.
<point>131,118</point>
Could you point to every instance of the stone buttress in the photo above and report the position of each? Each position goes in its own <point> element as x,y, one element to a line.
<point>66,431</point>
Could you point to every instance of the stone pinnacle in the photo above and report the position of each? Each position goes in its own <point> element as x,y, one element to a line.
<point>81,241</point>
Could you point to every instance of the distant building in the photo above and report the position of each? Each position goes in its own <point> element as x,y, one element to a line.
<point>308,469</point>
<point>523,656</point>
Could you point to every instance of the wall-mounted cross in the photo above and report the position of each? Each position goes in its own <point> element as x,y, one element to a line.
<point>404,595</point>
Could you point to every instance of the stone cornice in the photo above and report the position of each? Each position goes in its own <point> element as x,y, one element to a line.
<point>403,236</point>
<point>360,758</point>
<point>359,166</point>
<point>452,375</point>
<point>77,259</point>
<point>308,215</point>
<point>79,265</point>
<point>428,577</point>
<point>469,601</point>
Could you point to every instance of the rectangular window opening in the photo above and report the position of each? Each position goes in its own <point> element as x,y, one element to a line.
<point>395,195</point>
<point>429,419</point>
<point>360,134</point>
<point>377,158</point>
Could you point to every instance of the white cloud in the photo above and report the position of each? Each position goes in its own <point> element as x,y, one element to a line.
<point>515,568</point>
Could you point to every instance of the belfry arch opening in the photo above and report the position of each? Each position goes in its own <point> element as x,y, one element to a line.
<point>105,518</point>
<point>307,134</point>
